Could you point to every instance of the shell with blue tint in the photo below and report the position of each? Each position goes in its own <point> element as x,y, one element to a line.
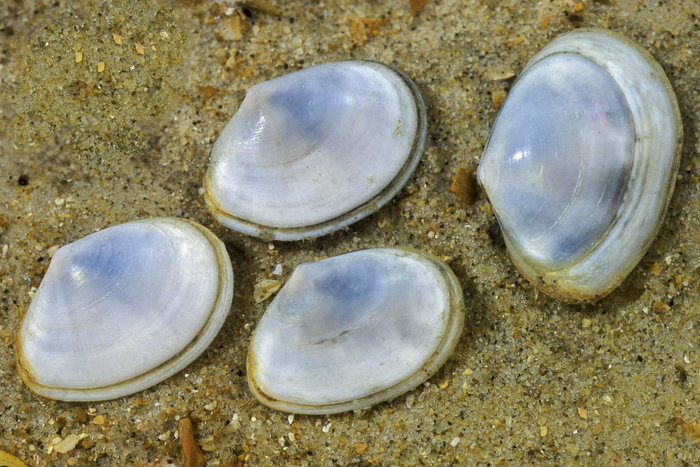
<point>316,150</point>
<point>124,308</point>
<point>581,163</point>
<point>353,330</point>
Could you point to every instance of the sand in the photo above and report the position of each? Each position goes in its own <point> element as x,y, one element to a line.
<point>532,382</point>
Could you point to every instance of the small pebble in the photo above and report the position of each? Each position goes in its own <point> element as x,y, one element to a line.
<point>52,250</point>
<point>79,415</point>
<point>498,98</point>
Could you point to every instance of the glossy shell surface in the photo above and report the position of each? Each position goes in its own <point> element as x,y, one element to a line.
<point>581,163</point>
<point>124,308</point>
<point>356,329</point>
<point>315,150</point>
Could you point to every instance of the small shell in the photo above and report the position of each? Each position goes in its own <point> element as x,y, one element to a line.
<point>316,150</point>
<point>581,163</point>
<point>123,309</point>
<point>354,330</point>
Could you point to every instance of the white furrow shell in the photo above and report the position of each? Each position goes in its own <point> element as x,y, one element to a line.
<point>354,330</point>
<point>316,150</point>
<point>123,309</point>
<point>581,163</point>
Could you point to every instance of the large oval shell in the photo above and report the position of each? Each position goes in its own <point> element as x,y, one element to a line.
<point>581,163</point>
<point>315,150</point>
<point>124,308</point>
<point>354,330</point>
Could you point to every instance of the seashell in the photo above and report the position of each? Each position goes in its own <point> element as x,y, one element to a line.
<point>581,163</point>
<point>123,309</point>
<point>316,150</point>
<point>354,330</point>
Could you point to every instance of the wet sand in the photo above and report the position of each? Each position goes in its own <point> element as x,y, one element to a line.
<point>532,382</point>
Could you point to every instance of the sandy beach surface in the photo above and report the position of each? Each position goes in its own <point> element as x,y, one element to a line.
<point>532,381</point>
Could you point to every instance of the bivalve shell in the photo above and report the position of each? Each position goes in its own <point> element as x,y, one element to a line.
<point>315,150</point>
<point>124,308</point>
<point>581,163</point>
<point>353,330</point>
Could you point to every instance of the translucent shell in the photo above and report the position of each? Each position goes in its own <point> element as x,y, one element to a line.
<point>353,330</point>
<point>123,309</point>
<point>581,163</point>
<point>316,150</point>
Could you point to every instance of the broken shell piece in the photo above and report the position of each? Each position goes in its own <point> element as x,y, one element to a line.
<point>265,288</point>
<point>191,454</point>
<point>68,443</point>
<point>464,185</point>
<point>353,330</point>
<point>9,460</point>
<point>124,308</point>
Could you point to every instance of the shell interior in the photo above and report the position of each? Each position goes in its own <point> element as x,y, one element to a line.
<point>354,330</point>
<point>124,308</point>
<point>581,163</point>
<point>315,150</point>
